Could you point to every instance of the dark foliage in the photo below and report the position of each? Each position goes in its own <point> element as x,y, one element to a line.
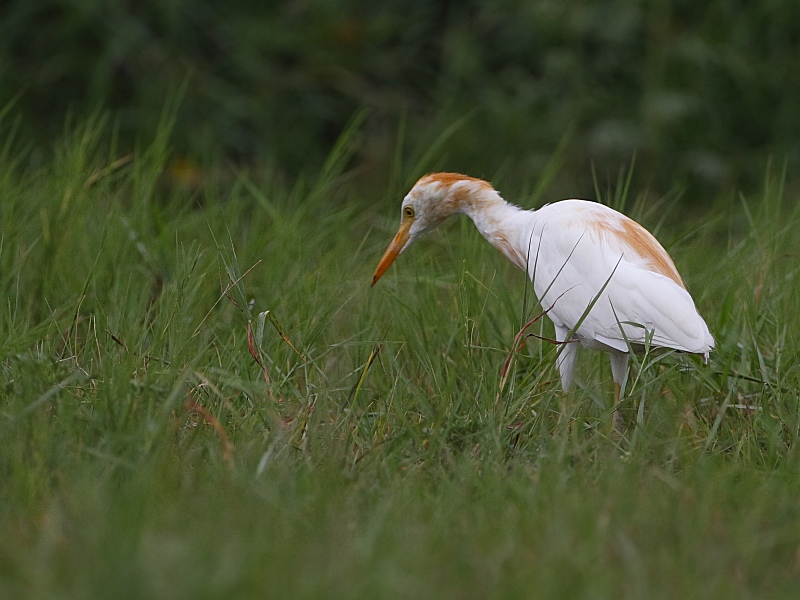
<point>703,93</point>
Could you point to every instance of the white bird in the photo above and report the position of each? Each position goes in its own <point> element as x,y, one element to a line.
<point>581,256</point>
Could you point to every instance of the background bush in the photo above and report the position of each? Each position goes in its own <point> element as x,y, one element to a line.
<point>703,93</point>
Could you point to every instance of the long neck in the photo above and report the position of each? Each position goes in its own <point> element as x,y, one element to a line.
<point>502,224</point>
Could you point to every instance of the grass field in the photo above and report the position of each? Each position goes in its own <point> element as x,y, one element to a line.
<point>203,397</point>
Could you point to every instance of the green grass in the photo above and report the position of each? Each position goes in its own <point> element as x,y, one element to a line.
<point>201,396</point>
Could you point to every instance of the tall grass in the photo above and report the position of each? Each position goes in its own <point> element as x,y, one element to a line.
<point>202,397</point>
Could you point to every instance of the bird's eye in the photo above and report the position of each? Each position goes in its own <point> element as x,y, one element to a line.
<point>408,212</point>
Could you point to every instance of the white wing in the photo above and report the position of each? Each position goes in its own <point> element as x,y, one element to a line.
<point>584,254</point>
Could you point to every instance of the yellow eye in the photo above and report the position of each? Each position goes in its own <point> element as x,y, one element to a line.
<point>408,212</point>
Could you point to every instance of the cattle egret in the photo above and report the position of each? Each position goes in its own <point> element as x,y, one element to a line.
<point>605,281</point>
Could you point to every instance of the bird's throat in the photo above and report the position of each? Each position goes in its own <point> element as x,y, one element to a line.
<point>503,225</point>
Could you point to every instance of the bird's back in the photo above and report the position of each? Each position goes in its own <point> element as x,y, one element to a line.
<point>584,254</point>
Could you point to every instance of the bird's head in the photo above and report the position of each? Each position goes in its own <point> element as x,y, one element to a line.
<point>432,199</point>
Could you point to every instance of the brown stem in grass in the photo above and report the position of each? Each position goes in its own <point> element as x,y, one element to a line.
<point>192,405</point>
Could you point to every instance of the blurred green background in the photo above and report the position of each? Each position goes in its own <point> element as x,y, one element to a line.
<point>703,93</point>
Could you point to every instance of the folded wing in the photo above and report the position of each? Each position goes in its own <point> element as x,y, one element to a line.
<point>594,266</point>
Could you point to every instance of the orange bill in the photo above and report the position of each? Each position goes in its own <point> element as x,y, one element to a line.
<point>398,243</point>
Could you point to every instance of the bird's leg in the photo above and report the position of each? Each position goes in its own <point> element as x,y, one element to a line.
<point>567,353</point>
<point>619,423</point>
<point>619,371</point>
